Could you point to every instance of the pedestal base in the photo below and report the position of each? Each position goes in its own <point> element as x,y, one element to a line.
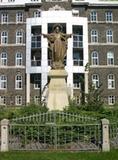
<point>58,92</point>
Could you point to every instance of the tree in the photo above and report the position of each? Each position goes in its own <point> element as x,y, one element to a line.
<point>94,101</point>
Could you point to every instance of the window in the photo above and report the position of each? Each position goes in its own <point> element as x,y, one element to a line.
<point>77,99</point>
<point>109,16</point>
<point>18,100</point>
<point>37,13</point>
<point>109,36</point>
<point>93,16</point>
<point>95,80</point>
<point>36,99</point>
<point>3,60</point>
<point>18,82</point>
<point>3,82</point>
<point>19,59</point>
<point>94,36</point>
<point>110,58</point>
<point>4,18</point>
<point>2,100</point>
<point>111,100</point>
<point>94,58</point>
<point>19,37</point>
<point>111,81</point>
<point>19,17</point>
<point>4,37</point>
<point>37,81</point>
<point>11,0</point>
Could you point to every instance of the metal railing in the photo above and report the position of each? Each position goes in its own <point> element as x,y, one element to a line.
<point>55,117</point>
<point>113,129</point>
<point>55,136</point>
<point>77,62</point>
<point>35,62</point>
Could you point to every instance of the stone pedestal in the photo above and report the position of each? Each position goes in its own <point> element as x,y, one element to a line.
<point>58,92</point>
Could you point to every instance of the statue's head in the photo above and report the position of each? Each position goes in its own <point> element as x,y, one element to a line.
<point>57,28</point>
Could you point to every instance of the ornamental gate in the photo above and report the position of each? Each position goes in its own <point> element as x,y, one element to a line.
<point>55,131</point>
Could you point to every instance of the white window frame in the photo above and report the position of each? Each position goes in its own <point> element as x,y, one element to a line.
<point>111,100</point>
<point>94,58</point>
<point>2,100</point>
<point>36,99</point>
<point>4,37</point>
<point>3,59</point>
<point>95,80</point>
<point>77,99</point>
<point>37,79</point>
<point>109,36</point>
<point>18,81</point>
<point>93,16</point>
<point>18,100</point>
<point>94,36</point>
<point>111,81</point>
<point>109,16</point>
<point>4,18</point>
<point>3,82</point>
<point>110,58</point>
<point>19,59</point>
<point>19,17</point>
<point>19,37</point>
<point>37,13</point>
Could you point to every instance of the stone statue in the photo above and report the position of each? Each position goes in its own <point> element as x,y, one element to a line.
<point>58,45</point>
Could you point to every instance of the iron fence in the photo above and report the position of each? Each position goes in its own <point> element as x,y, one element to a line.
<point>113,130</point>
<point>55,117</point>
<point>54,136</point>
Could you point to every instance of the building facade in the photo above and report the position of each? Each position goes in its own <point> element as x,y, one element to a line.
<point>25,59</point>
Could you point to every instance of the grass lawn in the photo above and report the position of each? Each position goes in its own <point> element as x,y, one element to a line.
<point>113,155</point>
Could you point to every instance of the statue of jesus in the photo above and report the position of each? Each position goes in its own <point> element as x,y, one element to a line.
<point>58,45</point>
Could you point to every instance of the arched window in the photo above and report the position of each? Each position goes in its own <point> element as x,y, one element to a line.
<point>110,58</point>
<point>18,100</point>
<point>93,16</point>
<point>111,81</point>
<point>19,59</point>
<point>4,37</point>
<point>94,58</point>
<point>111,100</point>
<point>18,82</point>
<point>3,59</point>
<point>109,16</point>
<point>3,82</point>
<point>95,80</point>
<point>19,37</point>
<point>19,17</point>
<point>109,36</point>
<point>94,36</point>
<point>4,18</point>
<point>2,100</point>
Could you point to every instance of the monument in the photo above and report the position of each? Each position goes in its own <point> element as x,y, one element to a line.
<point>58,92</point>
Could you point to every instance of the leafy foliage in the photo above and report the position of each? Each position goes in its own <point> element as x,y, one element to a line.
<point>13,112</point>
<point>94,100</point>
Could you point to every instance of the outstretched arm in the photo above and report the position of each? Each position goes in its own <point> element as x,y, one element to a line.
<point>45,35</point>
<point>68,35</point>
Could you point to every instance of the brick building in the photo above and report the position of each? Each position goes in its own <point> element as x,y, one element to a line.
<point>25,58</point>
